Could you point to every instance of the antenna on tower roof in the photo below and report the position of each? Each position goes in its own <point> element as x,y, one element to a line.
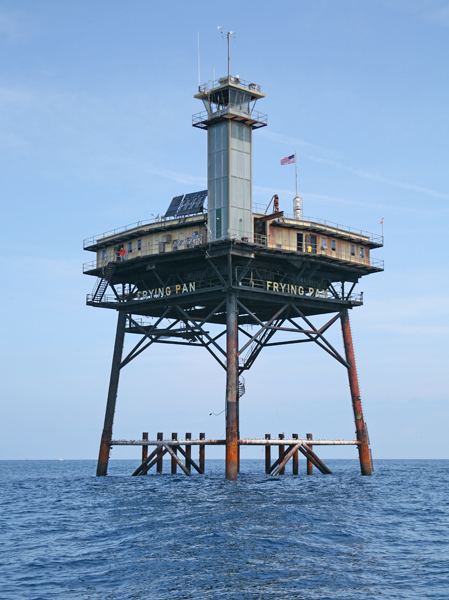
<point>199,59</point>
<point>228,36</point>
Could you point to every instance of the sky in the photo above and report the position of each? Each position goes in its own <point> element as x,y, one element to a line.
<point>96,101</point>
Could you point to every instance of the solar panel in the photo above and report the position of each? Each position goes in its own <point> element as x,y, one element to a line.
<point>174,205</point>
<point>189,204</point>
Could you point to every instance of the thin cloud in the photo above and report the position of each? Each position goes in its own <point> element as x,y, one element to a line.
<point>379,178</point>
<point>11,28</point>
<point>439,16</point>
<point>289,141</point>
<point>362,173</point>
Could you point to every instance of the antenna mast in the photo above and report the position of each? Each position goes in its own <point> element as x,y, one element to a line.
<point>229,35</point>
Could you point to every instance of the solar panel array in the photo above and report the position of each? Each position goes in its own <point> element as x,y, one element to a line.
<point>189,204</point>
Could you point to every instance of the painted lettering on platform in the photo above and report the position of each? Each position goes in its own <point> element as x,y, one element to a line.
<point>164,292</point>
<point>294,289</point>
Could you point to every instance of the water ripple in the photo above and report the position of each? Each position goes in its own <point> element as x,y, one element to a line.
<point>66,534</point>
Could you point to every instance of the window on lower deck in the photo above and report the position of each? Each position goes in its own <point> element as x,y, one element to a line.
<point>324,243</point>
<point>362,251</point>
<point>352,249</point>
<point>139,244</point>
<point>130,246</point>
<point>333,245</point>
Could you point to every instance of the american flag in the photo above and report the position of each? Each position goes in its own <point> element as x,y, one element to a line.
<point>288,160</point>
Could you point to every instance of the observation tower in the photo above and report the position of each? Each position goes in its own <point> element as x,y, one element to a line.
<point>232,280</point>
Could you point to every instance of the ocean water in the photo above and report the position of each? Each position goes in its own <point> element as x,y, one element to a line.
<point>67,534</point>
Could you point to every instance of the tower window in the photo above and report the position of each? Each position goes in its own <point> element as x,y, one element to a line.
<point>333,245</point>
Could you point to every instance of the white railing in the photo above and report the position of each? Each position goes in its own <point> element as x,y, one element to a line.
<point>151,248</point>
<point>204,88</point>
<point>95,239</point>
<point>308,222</point>
<point>253,115</point>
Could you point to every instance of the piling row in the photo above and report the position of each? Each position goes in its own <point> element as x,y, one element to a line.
<point>180,452</point>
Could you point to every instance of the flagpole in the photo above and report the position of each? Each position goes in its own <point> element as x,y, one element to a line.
<point>296,176</point>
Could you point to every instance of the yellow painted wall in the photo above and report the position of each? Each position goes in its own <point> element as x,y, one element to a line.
<point>153,243</point>
<point>286,238</point>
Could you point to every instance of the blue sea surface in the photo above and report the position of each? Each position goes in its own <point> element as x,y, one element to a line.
<point>66,534</point>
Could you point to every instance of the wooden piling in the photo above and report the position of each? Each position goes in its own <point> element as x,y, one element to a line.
<point>267,455</point>
<point>295,461</point>
<point>202,454</point>
<point>188,453</point>
<point>174,464</point>
<point>309,436</point>
<point>281,452</point>
<point>160,461</point>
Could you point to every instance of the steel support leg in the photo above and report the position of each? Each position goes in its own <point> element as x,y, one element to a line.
<point>366,464</point>
<point>106,436</point>
<point>232,372</point>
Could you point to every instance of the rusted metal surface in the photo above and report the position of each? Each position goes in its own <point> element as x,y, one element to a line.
<point>281,454</point>
<point>174,462</point>
<point>295,461</point>
<point>175,458</point>
<point>309,464</point>
<point>242,442</point>
<point>189,460</point>
<point>144,447</point>
<point>202,454</point>
<point>284,458</point>
<point>267,455</point>
<point>188,455</point>
<point>106,436</point>
<point>150,462</point>
<point>288,449</point>
<point>314,459</point>
<point>232,373</point>
<point>366,464</point>
<point>160,454</point>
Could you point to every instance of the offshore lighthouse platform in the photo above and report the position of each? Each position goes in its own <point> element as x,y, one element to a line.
<point>233,281</point>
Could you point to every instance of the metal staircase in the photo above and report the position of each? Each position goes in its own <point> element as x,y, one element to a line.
<point>102,283</point>
<point>100,289</point>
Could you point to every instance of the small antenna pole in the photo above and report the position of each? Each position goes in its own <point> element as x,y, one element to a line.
<point>228,35</point>
<point>199,59</point>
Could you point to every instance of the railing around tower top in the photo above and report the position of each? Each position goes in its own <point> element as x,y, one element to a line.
<point>253,115</point>
<point>204,88</point>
